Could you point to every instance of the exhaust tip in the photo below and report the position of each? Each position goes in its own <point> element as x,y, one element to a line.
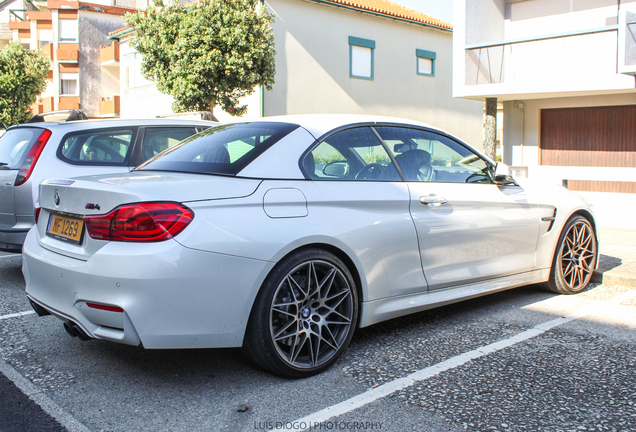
<point>70,330</point>
<point>81,334</point>
<point>76,331</point>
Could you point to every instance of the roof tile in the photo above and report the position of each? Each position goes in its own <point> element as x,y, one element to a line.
<point>388,8</point>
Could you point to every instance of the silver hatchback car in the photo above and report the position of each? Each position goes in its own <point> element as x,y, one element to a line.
<point>32,152</point>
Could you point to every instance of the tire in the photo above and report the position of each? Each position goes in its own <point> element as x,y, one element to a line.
<point>304,315</point>
<point>574,258</point>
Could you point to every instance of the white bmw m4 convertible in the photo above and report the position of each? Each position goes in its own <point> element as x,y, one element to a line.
<point>283,235</point>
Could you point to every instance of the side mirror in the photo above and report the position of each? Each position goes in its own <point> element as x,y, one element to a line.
<point>502,175</point>
<point>336,169</point>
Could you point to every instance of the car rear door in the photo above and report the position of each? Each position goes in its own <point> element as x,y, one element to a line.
<point>359,197</point>
<point>469,229</point>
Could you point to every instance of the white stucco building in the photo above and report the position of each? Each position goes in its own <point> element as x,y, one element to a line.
<point>564,70</point>
<point>341,56</point>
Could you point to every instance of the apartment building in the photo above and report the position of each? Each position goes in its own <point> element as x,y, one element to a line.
<point>564,71</point>
<point>84,72</point>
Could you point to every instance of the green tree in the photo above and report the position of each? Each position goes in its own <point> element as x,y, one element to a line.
<point>22,78</point>
<point>206,53</point>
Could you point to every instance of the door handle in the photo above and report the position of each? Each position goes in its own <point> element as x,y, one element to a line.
<point>430,199</point>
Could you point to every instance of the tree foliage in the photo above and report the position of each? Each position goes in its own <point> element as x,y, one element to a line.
<point>23,76</point>
<point>206,53</point>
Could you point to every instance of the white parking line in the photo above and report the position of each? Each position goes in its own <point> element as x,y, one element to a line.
<point>9,256</point>
<point>314,420</point>
<point>16,315</point>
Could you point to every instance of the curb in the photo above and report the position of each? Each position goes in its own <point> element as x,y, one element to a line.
<point>610,278</point>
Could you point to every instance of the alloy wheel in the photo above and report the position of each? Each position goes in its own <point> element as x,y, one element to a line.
<point>578,253</point>
<point>311,314</point>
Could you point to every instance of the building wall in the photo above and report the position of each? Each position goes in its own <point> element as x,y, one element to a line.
<point>530,115</point>
<point>312,65</point>
<point>95,82</point>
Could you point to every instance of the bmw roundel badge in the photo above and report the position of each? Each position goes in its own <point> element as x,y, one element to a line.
<point>56,198</point>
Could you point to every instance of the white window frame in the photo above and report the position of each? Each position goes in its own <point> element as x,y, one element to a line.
<point>69,77</point>
<point>67,30</point>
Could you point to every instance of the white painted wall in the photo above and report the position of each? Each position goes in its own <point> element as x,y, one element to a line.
<point>312,63</point>
<point>146,101</point>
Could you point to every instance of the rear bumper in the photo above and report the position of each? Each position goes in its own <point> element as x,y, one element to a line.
<point>163,294</point>
<point>12,239</point>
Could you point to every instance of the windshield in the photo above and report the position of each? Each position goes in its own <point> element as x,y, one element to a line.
<point>225,149</point>
<point>14,144</point>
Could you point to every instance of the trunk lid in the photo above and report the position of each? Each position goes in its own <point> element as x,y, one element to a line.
<point>98,195</point>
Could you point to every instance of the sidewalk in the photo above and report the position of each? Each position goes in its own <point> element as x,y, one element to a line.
<point>617,264</point>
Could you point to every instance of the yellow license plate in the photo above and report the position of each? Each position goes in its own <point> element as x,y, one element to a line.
<point>65,228</point>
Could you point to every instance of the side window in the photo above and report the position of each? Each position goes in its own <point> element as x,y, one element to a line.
<point>326,163</point>
<point>98,147</point>
<point>430,157</point>
<point>353,154</point>
<point>240,147</point>
<point>14,144</point>
<point>158,139</point>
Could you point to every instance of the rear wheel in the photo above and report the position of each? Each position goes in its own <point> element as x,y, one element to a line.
<point>305,315</point>
<point>575,257</point>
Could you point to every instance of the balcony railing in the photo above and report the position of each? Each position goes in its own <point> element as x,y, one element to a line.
<point>109,54</point>
<point>110,106</point>
<point>68,52</point>
<point>518,60</point>
<point>68,102</point>
<point>48,51</point>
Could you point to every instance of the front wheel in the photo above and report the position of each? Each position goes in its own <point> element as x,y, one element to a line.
<point>575,257</point>
<point>304,316</point>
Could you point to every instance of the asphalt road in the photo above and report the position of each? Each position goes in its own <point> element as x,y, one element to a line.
<point>489,364</point>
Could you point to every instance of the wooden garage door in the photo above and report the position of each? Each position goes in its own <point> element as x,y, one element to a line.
<point>592,136</point>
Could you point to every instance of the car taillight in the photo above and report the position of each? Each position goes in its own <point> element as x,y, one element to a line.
<point>29,163</point>
<point>37,214</point>
<point>144,222</point>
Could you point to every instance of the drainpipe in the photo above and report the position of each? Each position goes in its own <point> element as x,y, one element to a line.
<point>521,107</point>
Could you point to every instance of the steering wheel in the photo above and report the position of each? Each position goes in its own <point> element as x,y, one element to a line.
<point>478,177</point>
<point>370,172</point>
